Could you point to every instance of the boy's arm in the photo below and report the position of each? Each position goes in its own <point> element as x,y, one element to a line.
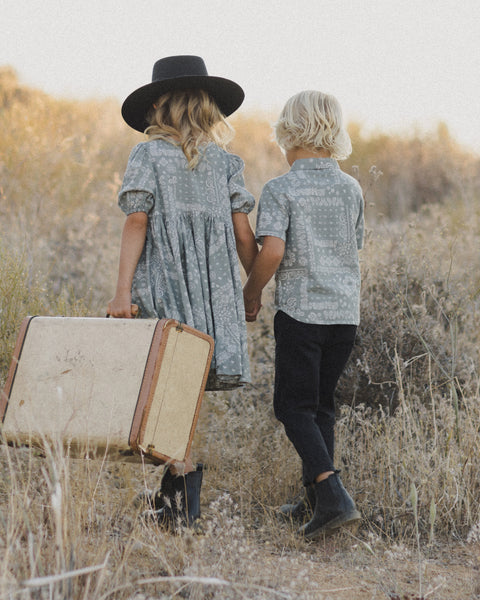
<point>133,240</point>
<point>264,267</point>
<point>247,248</point>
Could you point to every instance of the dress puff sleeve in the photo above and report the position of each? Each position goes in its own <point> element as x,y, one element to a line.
<point>138,187</point>
<point>240,199</point>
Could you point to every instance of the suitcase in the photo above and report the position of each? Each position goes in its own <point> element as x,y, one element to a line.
<point>99,384</point>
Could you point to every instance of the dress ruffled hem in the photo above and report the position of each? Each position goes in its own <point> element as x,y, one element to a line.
<point>217,383</point>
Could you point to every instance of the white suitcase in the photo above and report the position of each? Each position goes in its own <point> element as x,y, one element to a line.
<point>99,384</point>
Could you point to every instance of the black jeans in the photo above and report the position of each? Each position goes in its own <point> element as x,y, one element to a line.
<point>309,360</point>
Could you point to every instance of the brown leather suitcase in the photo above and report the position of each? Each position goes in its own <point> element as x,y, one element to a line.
<point>98,384</point>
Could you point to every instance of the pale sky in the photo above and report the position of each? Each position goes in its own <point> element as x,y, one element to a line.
<point>393,65</point>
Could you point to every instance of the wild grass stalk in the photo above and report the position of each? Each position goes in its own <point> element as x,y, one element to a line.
<point>414,502</point>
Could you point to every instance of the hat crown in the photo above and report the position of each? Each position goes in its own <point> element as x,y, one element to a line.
<point>175,73</point>
<point>179,66</point>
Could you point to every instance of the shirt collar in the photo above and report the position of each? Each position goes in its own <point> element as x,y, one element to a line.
<point>302,164</point>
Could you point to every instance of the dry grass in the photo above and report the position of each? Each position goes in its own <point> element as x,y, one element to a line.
<point>409,411</point>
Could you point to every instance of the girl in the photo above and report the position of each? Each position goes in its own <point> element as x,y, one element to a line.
<point>310,222</point>
<point>187,218</point>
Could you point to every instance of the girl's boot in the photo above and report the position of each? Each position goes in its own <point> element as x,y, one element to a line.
<point>334,508</point>
<point>182,508</point>
<point>302,510</point>
<point>154,499</point>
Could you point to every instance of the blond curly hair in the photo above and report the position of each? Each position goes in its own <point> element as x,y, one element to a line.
<point>191,119</point>
<point>313,120</point>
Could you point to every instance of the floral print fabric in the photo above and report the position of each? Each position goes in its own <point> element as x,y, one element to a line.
<point>189,267</point>
<point>317,209</point>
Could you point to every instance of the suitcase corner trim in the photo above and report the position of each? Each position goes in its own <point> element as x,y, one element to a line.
<point>12,371</point>
<point>147,389</point>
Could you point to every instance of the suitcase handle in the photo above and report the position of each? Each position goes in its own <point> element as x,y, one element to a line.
<point>134,310</point>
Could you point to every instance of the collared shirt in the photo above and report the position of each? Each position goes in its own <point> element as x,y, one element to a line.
<point>317,210</point>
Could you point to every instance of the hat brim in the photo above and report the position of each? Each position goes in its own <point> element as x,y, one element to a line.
<point>227,94</point>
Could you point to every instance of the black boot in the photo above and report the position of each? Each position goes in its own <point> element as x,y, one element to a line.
<point>182,509</point>
<point>334,508</point>
<point>154,499</point>
<point>303,509</point>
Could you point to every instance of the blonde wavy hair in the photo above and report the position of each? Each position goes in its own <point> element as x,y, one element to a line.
<point>313,120</point>
<point>191,119</point>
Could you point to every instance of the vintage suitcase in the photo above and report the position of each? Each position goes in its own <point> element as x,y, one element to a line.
<point>99,384</point>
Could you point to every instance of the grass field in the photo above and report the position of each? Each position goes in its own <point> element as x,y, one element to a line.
<point>408,421</point>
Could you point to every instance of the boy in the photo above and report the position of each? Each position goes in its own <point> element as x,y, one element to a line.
<point>310,225</point>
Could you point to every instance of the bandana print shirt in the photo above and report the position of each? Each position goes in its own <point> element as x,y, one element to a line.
<point>317,209</point>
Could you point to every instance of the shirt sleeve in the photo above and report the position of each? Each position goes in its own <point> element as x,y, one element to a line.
<point>240,199</point>
<point>360,225</point>
<point>138,188</point>
<point>273,216</point>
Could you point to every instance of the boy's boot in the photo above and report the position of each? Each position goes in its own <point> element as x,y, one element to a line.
<point>154,499</point>
<point>302,510</point>
<point>334,508</point>
<point>182,509</point>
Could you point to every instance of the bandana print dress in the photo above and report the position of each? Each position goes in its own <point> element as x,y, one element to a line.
<point>189,267</point>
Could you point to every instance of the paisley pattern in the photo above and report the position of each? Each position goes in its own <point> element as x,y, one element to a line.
<point>189,266</point>
<point>317,209</point>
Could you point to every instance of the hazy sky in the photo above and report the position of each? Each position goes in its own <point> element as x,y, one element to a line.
<point>392,64</point>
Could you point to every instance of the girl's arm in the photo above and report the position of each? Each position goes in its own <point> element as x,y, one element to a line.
<point>247,248</point>
<point>264,267</point>
<point>133,240</point>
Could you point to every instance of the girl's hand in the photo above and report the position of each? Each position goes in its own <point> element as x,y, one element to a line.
<point>121,307</point>
<point>133,241</point>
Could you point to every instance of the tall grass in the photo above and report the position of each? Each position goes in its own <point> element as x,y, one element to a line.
<point>408,404</point>
<point>60,167</point>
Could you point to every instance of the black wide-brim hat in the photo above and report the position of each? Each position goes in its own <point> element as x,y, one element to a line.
<point>180,73</point>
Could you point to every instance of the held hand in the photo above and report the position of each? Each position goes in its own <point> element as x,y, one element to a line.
<point>252,308</point>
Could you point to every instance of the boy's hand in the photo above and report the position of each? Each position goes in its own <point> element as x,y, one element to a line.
<point>265,265</point>
<point>252,308</point>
